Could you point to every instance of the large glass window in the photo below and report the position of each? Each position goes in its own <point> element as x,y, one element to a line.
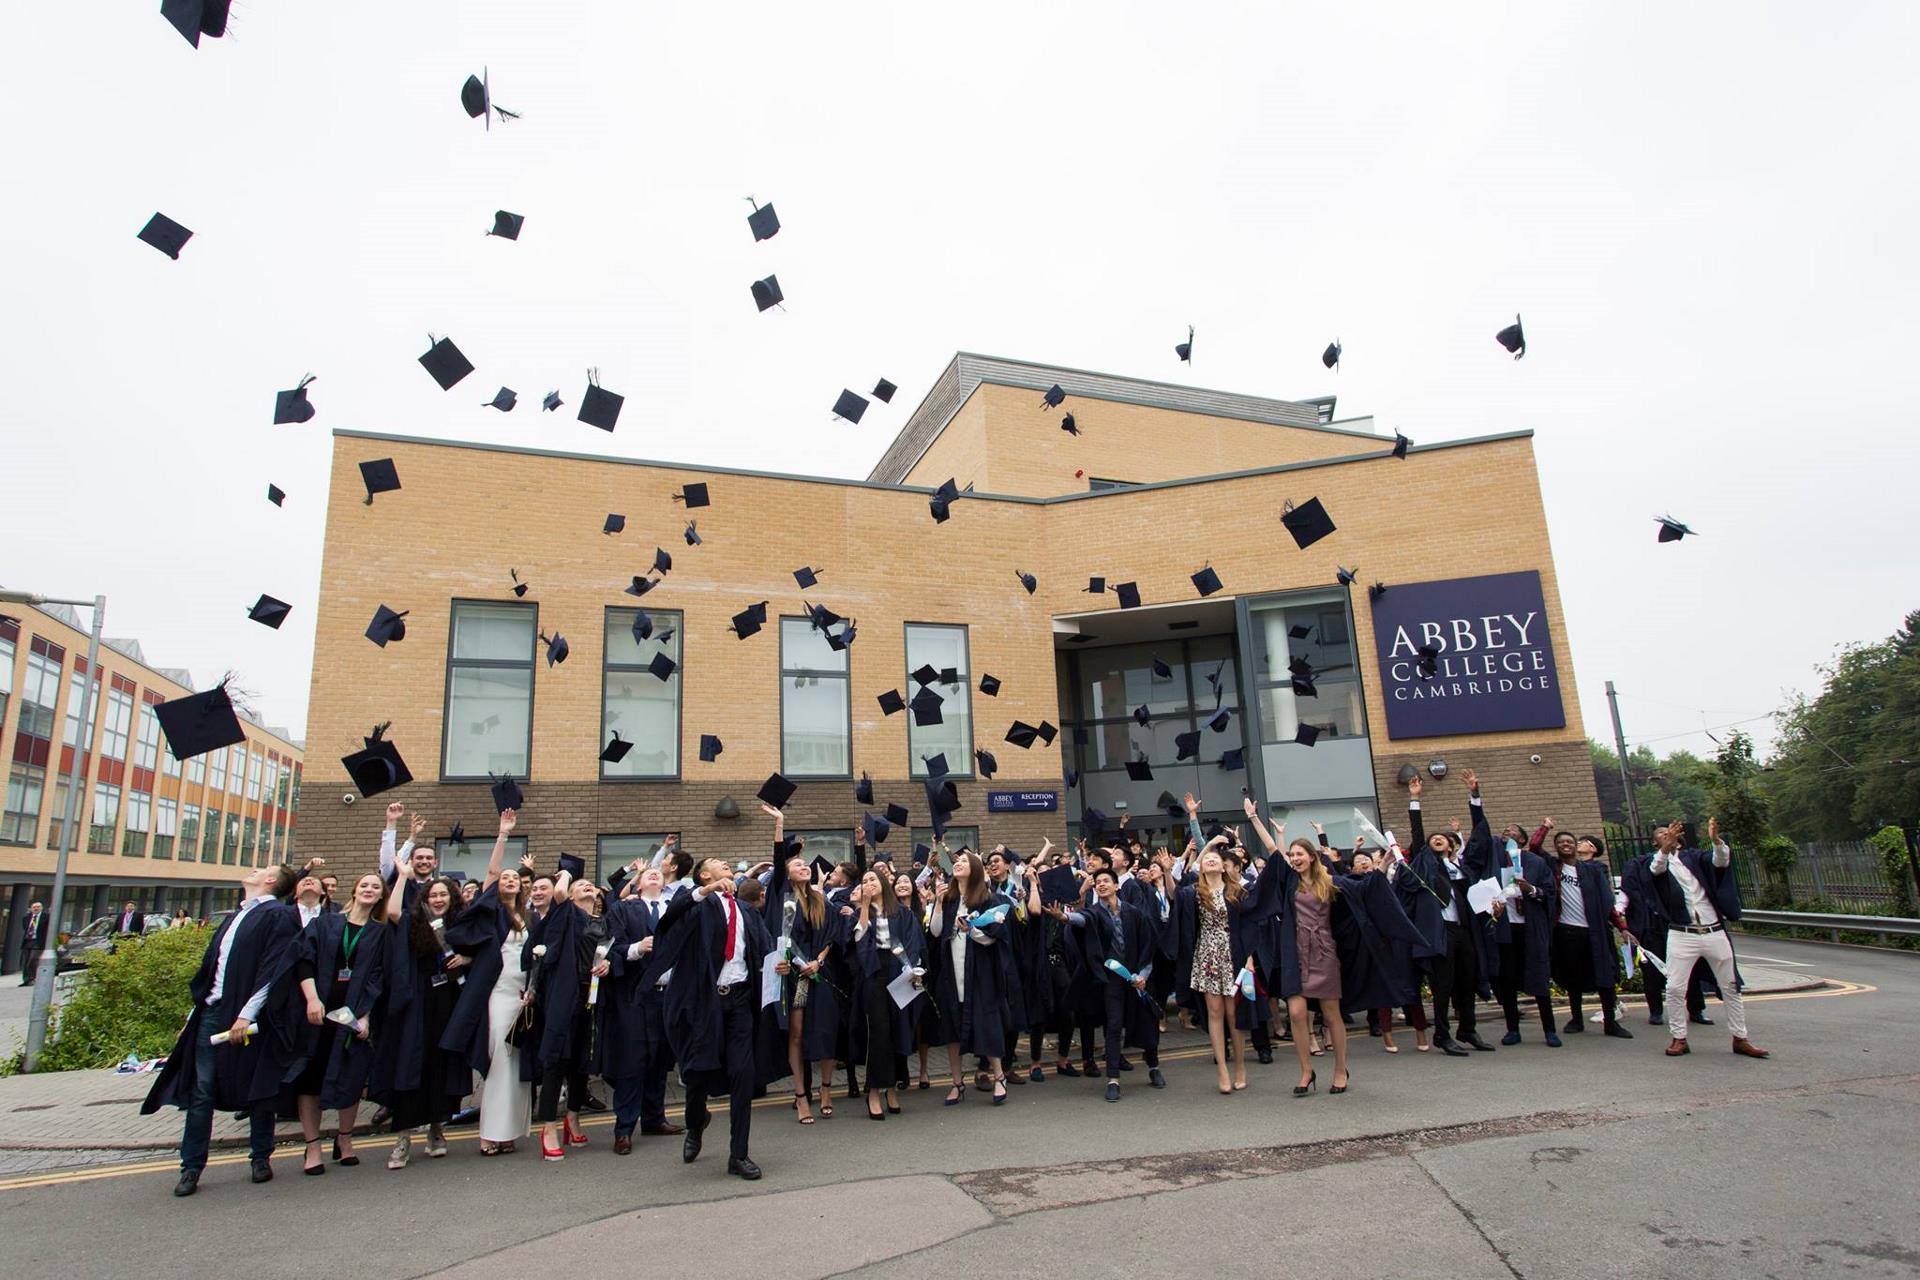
<point>75,692</point>
<point>210,835</point>
<point>39,696</point>
<point>20,824</point>
<point>470,856</point>
<point>619,851</point>
<point>230,840</point>
<point>6,676</point>
<point>236,769</point>
<point>216,771</point>
<point>941,647</point>
<point>189,832</point>
<point>169,767</point>
<point>249,838</point>
<point>146,746</point>
<point>957,838</point>
<point>489,690</point>
<point>254,762</point>
<point>106,816</point>
<point>638,705</point>
<point>196,769</point>
<point>1334,706</point>
<point>274,798</point>
<point>1112,684</point>
<point>166,825</point>
<point>57,820</point>
<point>133,841</point>
<point>816,729</point>
<point>119,723</point>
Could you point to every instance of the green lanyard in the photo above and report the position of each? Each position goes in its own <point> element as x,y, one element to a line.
<point>349,942</point>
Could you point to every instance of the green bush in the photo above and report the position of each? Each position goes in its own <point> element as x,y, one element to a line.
<point>1891,844</point>
<point>134,1000</point>
<point>1776,855</point>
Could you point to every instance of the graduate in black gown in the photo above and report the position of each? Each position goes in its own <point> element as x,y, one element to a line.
<point>806,933</point>
<point>1432,885</point>
<point>1584,958</point>
<point>333,1008</point>
<point>714,948</point>
<point>1121,942</point>
<point>479,931</point>
<point>634,1055</point>
<point>247,955</point>
<point>419,1082</point>
<point>1008,876</point>
<point>971,972</point>
<point>1522,918</point>
<point>887,941</point>
<point>565,950</point>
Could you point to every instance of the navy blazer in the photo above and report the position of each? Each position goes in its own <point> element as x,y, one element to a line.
<point>1723,890</point>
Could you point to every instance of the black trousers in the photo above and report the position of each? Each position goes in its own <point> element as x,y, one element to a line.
<point>1455,978</point>
<point>882,1062</point>
<point>570,1071</point>
<point>736,1045</point>
<point>1120,999</point>
<point>29,967</point>
<point>642,1099</point>
<point>1506,983</point>
<point>1573,970</point>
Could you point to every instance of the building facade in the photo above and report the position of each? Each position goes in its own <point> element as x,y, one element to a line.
<point>1160,483</point>
<point>152,830</point>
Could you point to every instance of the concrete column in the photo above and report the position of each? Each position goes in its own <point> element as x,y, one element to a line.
<point>21,895</point>
<point>102,903</point>
<point>206,903</point>
<point>160,904</point>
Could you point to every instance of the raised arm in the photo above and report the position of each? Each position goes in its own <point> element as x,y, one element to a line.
<point>1271,840</point>
<point>498,858</point>
<point>1414,820</point>
<point>1193,822</point>
<point>1722,854</point>
<point>394,813</point>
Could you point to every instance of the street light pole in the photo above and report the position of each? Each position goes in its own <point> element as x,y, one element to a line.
<point>76,778</point>
<point>1626,774</point>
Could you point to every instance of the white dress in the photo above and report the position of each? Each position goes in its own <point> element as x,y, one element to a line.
<point>506,1104</point>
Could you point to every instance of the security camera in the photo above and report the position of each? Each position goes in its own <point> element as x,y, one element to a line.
<point>349,797</point>
<point>1533,759</point>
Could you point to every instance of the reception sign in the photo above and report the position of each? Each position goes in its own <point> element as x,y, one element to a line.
<point>1494,669</point>
<point>1023,801</point>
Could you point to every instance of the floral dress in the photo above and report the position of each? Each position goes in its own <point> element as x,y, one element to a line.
<point>1213,972</point>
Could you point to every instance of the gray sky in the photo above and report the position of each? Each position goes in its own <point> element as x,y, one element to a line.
<point>1705,212</point>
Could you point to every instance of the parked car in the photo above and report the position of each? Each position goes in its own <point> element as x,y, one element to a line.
<point>97,936</point>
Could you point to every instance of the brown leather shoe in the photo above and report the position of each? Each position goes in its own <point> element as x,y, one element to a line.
<point>1748,1049</point>
<point>1676,1048</point>
<point>667,1129</point>
<point>623,1144</point>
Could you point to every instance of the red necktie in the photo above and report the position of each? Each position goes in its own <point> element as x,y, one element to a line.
<point>726,952</point>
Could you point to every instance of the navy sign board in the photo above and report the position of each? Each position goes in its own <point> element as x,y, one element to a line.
<point>1495,669</point>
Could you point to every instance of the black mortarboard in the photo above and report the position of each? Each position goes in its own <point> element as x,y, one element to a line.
<point>936,765</point>
<point>1129,593</point>
<point>883,391</point>
<point>616,751</point>
<point>196,18</point>
<point>473,97</point>
<point>692,533</point>
<point>1304,687</point>
<point>1073,776</point>
<point>199,723</point>
<point>456,835</point>
<point>943,796</point>
<point>821,869</point>
<point>1059,884</point>
<point>1377,590</point>
<point>615,523</point>
<point>1346,576</point>
<point>1021,734</point>
<point>988,765</point>
<point>1308,522</point>
<point>387,625</point>
<point>1206,582</point>
<point>897,814</point>
<point>379,476</point>
<point>842,639</point>
<point>1096,586</point>
<point>557,648</point>
<point>1672,530</point>
<point>750,619</point>
<point>1186,745</point>
<point>166,235</point>
<point>1141,717</point>
<point>926,708</point>
<point>506,225</point>
<point>1429,663</point>
<point>599,407</point>
<point>806,577</point>
<point>269,611</point>
<point>849,406</point>
<point>551,401</point>
<point>891,702</point>
<point>444,361</point>
<point>640,585</point>
<point>1055,397</point>
<point>1299,665</point>
<point>1298,632</point>
<point>1185,349</point>
<point>766,293</point>
<point>504,399</point>
<point>1093,820</point>
<point>275,494</point>
<point>1331,356</point>
<point>877,828</point>
<point>776,791</point>
<point>1068,425</point>
<point>694,495</point>
<point>1306,735</point>
<point>293,406</point>
<point>1161,669</point>
<point>863,789</point>
<point>662,562</point>
<point>949,675</point>
<point>377,766</point>
<point>942,501</point>
<point>924,674</point>
<point>572,864</point>
<point>921,853</point>
<point>710,748</point>
<point>1047,732</point>
<point>1232,759</point>
<point>506,793</point>
<point>1513,338</point>
<point>764,221</point>
<point>1219,720</point>
<point>1139,771</point>
<point>1171,803</point>
<point>990,685</point>
<point>618,880</point>
<point>662,667</point>
<point>1027,580</point>
<point>1400,445</point>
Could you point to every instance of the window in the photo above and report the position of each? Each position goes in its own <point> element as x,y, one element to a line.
<point>642,708</point>
<point>56,821</point>
<point>21,822</point>
<point>249,836</point>
<point>106,816</point>
<point>470,856</point>
<point>834,846</point>
<point>133,841</point>
<point>489,722</point>
<point>1097,485</point>
<point>816,724</point>
<point>196,769</point>
<point>210,836</point>
<point>230,840</point>
<point>39,696</point>
<point>293,793</point>
<point>169,767</point>
<point>216,771</point>
<point>189,832</point>
<point>119,721</point>
<point>254,762</point>
<point>236,768</point>
<point>274,798</point>
<point>6,676</point>
<point>146,747</point>
<point>1335,706</point>
<point>618,851</point>
<point>166,818</point>
<point>75,691</point>
<point>941,647</point>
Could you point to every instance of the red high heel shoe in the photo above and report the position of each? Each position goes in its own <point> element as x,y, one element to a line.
<point>551,1153</point>
<point>573,1137</point>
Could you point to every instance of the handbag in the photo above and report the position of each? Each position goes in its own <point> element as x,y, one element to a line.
<point>520,1034</point>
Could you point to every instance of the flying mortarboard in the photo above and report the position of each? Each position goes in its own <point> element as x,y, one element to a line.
<point>891,702</point>
<point>166,235</point>
<point>877,829</point>
<point>599,407</point>
<point>849,406</point>
<point>1047,732</point>
<point>692,533</point>
<point>776,791</point>
<point>662,562</point>
<point>1206,582</point>
<point>269,612</point>
<point>476,97</point>
<point>1672,530</point>
<point>1171,803</point>
<point>710,748</point>
<point>988,765</point>
<point>1377,590</point>
<point>924,674</point>
<point>1299,665</point>
<point>1027,580</point>
<point>572,864</point>
<point>1021,734</point>
<point>1303,686</point>
<point>445,362</point>
<point>863,790</point>
<point>926,708</point>
<point>921,853</point>
<point>618,880</point>
<point>1429,663</point>
<point>843,639</point>
<point>897,814</point>
<point>1068,425</point>
<point>1096,586</point>
<point>1233,759</point>
<point>377,766</point>
<point>1059,884</point>
<point>1308,522</point>
<point>694,495</point>
<point>1513,338</point>
<point>640,585</point>
<point>1129,593</point>
<point>1141,717</point>
<point>1331,356</point>
<point>1346,575</point>
<point>1185,349</point>
<point>616,751</point>
<point>763,220</point>
<point>766,293</point>
<point>200,722</point>
<point>750,619</point>
<point>551,401</point>
<point>387,626</point>
<point>457,835</point>
<point>615,523</point>
<point>883,391</point>
<point>949,675</point>
<point>557,648</point>
<point>506,793</point>
<point>1306,735</point>
<point>1400,445</point>
<point>990,685</point>
<point>1162,670</point>
<point>379,476</point>
<point>942,501</point>
<point>1219,720</point>
<point>806,577</point>
<point>276,495</point>
<point>504,399</point>
<point>936,765</point>
<point>662,667</point>
<point>1186,745</point>
<point>293,406</point>
<point>1139,771</point>
<point>1298,632</point>
<point>196,18</point>
<point>1055,397</point>
<point>506,225</point>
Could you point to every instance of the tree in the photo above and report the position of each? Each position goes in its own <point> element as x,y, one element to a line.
<point>1736,796</point>
<point>1664,788</point>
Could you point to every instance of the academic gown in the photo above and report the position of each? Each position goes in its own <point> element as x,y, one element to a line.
<point>1375,943</point>
<point>1142,943</point>
<point>978,1023</point>
<point>628,1037</point>
<point>478,933</point>
<point>558,979</point>
<point>249,1073</point>
<point>1536,931</point>
<point>689,941</point>
<point>421,998</point>
<point>1032,971</point>
<point>1019,945</point>
<point>1596,895</point>
<point>825,1009</point>
<point>881,965</point>
<point>1252,932</point>
<point>350,1059</point>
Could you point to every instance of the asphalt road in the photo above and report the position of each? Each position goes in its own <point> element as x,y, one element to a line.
<point>1600,1159</point>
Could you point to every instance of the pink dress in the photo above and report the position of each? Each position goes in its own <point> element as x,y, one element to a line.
<point>1313,947</point>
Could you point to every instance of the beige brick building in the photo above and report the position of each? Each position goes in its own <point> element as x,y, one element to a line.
<point>1161,481</point>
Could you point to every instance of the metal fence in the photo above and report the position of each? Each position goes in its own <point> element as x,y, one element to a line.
<point>1844,875</point>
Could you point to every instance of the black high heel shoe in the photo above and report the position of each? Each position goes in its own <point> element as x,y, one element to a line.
<point>313,1170</point>
<point>871,1113</point>
<point>1000,1085</point>
<point>1302,1090</point>
<point>1340,1088</point>
<point>345,1162</point>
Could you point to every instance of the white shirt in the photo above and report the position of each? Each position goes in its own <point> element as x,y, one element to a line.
<point>735,970</point>
<point>388,859</point>
<point>308,914</point>
<point>252,1008</point>
<point>1448,910</point>
<point>1699,905</point>
<point>1573,905</point>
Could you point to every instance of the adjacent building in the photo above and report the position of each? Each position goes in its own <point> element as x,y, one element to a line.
<point>1155,484</point>
<point>152,830</point>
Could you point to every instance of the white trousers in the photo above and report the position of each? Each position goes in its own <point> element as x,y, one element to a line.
<point>1716,949</point>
